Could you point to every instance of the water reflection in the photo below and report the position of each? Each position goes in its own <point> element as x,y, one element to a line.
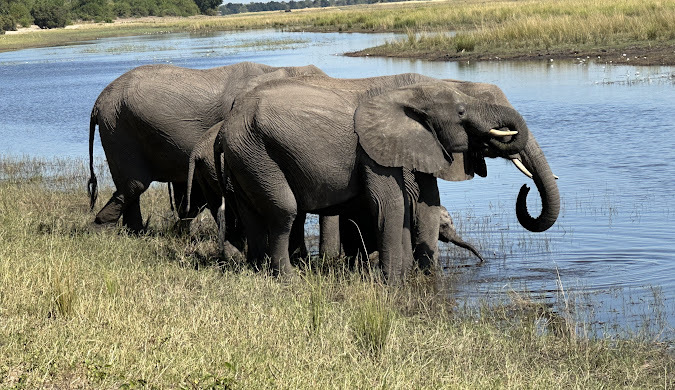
<point>606,131</point>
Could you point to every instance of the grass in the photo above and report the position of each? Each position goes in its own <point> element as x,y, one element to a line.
<point>489,28</point>
<point>83,308</point>
<point>531,26</point>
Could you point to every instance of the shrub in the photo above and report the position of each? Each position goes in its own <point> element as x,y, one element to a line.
<point>207,6</point>
<point>49,14</point>
<point>7,23</point>
<point>20,12</point>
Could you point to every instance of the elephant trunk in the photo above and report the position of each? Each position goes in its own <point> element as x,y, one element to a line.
<point>534,160</point>
<point>491,117</point>
<point>463,244</point>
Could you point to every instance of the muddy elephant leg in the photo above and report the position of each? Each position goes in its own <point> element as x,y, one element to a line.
<point>131,212</point>
<point>426,219</point>
<point>112,211</point>
<point>329,236</point>
<point>131,216</point>
<point>124,203</point>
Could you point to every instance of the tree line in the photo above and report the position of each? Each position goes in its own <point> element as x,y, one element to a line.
<point>235,8</point>
<point>58,13</point>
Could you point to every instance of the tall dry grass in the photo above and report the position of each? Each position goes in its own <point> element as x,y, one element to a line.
<point>526,26</point>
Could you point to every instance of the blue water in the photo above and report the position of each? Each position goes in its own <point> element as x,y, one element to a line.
<point>607,132</point>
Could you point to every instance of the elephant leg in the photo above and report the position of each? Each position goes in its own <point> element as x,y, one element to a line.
<point>131,214</point>
<point>426,222</point>
<point>124,203</point>
<point>407,258</point>
<point>234,232</point>
<point>283,214</point>
<point>329,236</point>
<point>256,236</point>
<point>112,211</point>
<point>297,248</point>
<point>132,218</point>
<point>386,201</point>
<point>197,202</point>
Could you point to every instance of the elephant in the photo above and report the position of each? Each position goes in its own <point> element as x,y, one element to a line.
<point>423,235</point>
<point>318,144</point>
<point>150,119</point>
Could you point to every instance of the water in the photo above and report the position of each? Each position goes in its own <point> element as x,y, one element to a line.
<point>606,131</point>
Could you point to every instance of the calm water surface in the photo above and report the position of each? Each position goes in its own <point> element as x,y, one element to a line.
<point>607,132</point>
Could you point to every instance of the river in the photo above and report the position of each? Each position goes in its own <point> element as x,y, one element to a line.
<point>607,132</point>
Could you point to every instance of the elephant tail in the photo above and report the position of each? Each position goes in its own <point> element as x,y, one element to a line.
<point>172,201</point>
<point>190,176</point>
<point>92,185</point>
<point>219,163</point>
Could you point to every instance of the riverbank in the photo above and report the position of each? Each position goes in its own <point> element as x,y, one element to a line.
<point>629,55</point>
<point>88,308</point>
<point>486,31</point>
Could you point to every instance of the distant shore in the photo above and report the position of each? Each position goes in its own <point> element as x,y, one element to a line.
<point>635,32</point>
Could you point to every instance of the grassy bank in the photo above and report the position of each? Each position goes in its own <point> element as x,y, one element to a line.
<point>81,308</point>
<point>486,29</point>
<point>534,28</point>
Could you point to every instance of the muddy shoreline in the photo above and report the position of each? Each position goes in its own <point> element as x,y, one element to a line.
<point>636,55</point>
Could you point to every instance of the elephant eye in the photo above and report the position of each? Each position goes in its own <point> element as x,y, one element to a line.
<point>461,111</point>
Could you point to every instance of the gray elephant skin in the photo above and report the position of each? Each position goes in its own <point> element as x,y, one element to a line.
<point>151,118</point>
<point>316,144</point>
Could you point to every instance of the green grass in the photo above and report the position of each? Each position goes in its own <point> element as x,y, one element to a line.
<point>83,308</point>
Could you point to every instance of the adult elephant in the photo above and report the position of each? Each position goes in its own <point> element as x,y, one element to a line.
<point>150,119</point>
<point>317,144</point>
<point>424,213</point>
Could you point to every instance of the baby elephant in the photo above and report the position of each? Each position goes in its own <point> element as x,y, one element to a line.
<point>448,233</point>
<point>357,232</point>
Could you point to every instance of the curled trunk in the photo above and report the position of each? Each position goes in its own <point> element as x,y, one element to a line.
<point>534,160</point>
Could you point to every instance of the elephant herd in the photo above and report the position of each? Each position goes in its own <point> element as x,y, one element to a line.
<point>262,146</point>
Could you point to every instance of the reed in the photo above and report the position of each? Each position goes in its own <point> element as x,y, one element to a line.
<point>89,308</point>
<point>525,27</point>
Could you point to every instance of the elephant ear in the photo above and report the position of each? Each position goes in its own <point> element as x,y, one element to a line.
<point>393,134</point>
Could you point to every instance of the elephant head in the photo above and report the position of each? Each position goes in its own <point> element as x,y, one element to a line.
<point>420,126</point>
<point>434,127</point>
<point>447,233</point>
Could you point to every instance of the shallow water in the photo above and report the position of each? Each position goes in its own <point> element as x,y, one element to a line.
<point>606,131</point>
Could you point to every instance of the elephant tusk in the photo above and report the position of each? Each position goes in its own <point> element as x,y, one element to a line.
<point>501,133</point>
<point>521,167</point>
